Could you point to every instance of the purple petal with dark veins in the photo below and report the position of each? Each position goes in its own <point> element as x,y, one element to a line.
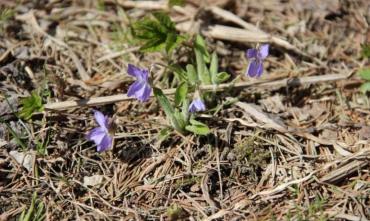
<point>251,53</point>
<point>255,68</point>
<point>105,143</point>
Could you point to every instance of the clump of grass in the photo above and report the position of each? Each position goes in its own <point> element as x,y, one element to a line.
<point>5,15</point>
<point>35,212</point>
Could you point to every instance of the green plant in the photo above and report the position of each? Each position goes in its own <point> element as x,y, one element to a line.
<point>35,212</point>
<point>30,105</point>
<point>365,75</point>
<point>156,33</point>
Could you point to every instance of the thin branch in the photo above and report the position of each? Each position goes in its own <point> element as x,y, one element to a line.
<point>95,101</point>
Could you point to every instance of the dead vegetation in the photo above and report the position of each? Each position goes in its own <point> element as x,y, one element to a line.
<point>294,146</point>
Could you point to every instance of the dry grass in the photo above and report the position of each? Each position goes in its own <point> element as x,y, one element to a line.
<point>291,150</point>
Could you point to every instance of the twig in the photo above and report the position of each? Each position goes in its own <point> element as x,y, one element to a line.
<point>249,36</point>
<point>95,101</point>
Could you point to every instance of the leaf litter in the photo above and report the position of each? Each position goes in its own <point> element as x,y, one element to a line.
<point>294,146</point>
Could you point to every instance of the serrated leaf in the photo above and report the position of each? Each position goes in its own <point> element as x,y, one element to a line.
<point>30,104</point>
<point>365,87</point>
<point>164,20</point>
<point>156,34</point>
<point>172,3</point>
<point>364,74</point>
<point>222,77</point>
<point>197,127</point>
<point>365,50</point>
<point>153,45</point>
<point>170,41</point>
<point>181,93</point>
<point>192,74</point>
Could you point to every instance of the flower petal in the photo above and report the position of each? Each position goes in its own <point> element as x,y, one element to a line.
<point>140,90</point>
<point>255,68</point>
<point>146,93</point>
<point>263,51</point>
<point>133,70</point>
<point>101,119</point>
<point>134,88</point>
<point>251,53</point>
<point>140,74</point>
<point>96,135</point>
<point>197,105</point>
<point>105,144</point>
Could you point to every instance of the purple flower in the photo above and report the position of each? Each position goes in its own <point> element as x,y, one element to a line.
<point>256,57</point>
<point>100,135</point>
<point>197,105</point>
<point>140,88</point>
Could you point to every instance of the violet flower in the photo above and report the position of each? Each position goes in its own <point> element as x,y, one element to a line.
<point>197,105</point>
<point>100,135</point>
<point>256,57</point>
<point>141,88</point>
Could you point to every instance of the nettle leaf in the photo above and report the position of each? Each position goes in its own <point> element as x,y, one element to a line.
<point>366,50</point>
<point>197,127</point>
<point>165,21</point>
<point>181,93</point>
<point>365,87</point>
<point>172,3</point>
<point>364,74</point>
<point>157,34</point>
<point>31,105</point>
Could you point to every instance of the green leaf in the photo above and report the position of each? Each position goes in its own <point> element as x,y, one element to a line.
<point>164,134</point>
<point>164,102</point>
<point>156,34</point>
<point>179,72</point>
<point>365,50</point>
<point>30,105</point>
<point>171,113</point>
<point>197,127</point>
<point>213,69</point>
<point>364,74</point>
<point>185,109</point>
<point>180,121</point>
<point>201,46</point>
<point>200,55</point>
<point>172,3</point>
<point>181,93</point>
<point>153,45</point>
<point>192,74</point>
<point>221,77</point>
<point>171,41</point>
<point>165,21</point>
<point>365,87</point>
